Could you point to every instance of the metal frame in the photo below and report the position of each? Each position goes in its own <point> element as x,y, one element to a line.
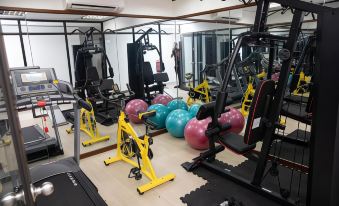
<point>323,178</point>
<point>14,123</point>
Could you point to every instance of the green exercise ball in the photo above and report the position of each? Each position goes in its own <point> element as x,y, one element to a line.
<point>177,104</point>
<point>176,122</point>
<point>161,114</point>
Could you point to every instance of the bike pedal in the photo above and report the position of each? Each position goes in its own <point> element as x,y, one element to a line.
<point>135,173</point>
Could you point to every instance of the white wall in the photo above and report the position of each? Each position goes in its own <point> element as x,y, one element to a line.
<point>42,50</point>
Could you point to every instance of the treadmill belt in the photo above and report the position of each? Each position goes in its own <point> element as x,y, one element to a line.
<point>219,189</point>
<point>32,133</point>
<point>67,192</point>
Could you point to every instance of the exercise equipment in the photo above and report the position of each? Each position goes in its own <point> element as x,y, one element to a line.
<point>162,99</point>
<point>201,92</point>
<point>129,144</point>
<point>193,110</point>
<point>161,113</point>
<point>234,118</point>
<point>263,119</point>
<point>88,125</point>
<point>33,87</point>
<point>253,80</point>
<point>177,104</point>
<point>195,133</point>
<point>140,73</point>
<point>176,122</point>
<point>92,84</point>
<point>133,108</point>
<point>55,183</point>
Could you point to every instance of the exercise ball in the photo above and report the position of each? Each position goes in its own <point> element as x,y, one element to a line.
<point>161,114</point>
<point>177,104</point>
<point>162,99</point>
<point>275,76</point>
<point>193,110</point>
<point>176,122</point>
<point>235,118</point>
<point>195,133</point>
<point>133,108</point>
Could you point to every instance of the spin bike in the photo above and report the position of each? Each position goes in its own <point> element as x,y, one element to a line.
<point>201,92</point>
<point>253,80</point>
<point>88,125</point>
<point>130,145</point>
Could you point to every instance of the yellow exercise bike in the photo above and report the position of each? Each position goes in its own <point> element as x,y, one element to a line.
<point>249,93</point>
<point>88,125</point>
<point>136,151</point>
<point>202,92</point>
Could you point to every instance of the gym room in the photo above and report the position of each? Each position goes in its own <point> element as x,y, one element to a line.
<point>169,102</point>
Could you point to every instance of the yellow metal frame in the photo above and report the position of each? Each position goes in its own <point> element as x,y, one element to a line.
<point>143,145</point>
<point>88,125</point>
<point>204,90</point>
<point>247,99</point>
<point>249,94</point>
<point>303,79</point>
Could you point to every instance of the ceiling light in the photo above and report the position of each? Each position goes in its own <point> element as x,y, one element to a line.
<point>12,13</point>
<point>274,5</point>
<point>94,17</point>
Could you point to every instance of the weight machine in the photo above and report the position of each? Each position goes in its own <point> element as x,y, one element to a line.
<point>142,80</point>
<point>265,112</point>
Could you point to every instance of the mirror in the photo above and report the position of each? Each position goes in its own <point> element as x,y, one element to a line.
<point>52,41</point>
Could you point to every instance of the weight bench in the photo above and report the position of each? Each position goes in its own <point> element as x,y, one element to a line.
<point>153,82</point>
<point>254,128</point>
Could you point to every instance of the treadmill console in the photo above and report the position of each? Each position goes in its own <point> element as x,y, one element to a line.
<point>33,81</point>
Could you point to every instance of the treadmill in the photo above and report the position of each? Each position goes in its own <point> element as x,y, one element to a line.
<point>56,183</point>
<point>31,85</point>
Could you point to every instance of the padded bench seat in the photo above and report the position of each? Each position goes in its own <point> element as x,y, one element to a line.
<point>235,142</point>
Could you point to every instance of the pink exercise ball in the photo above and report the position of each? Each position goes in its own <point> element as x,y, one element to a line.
<point>195,133</point>
<point>235,118</point>
<point>162,99</point>
<point>133,108</point>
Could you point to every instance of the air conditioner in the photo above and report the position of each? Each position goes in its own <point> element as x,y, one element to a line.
<point>97,5</point>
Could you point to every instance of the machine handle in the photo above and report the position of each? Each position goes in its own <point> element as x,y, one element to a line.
<point>146,115</point>
<point>82,103</point>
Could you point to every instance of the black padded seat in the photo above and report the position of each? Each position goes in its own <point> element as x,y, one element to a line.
<point>148,74</point>
<point>235,142</point>
<point>161,77</point>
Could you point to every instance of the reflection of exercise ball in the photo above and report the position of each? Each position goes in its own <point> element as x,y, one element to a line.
<point>193,110</point>
<point>195,133</point>
<point>275,76</point>
<point>161,114</point>
<point>133,108</point>
<point>162,99</point>
<point>177,104</point>
<point>235,118</point>
<point>176,122</point>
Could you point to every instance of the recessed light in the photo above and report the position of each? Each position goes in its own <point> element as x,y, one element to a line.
<point>12,13</point>
<point>93,17</point>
